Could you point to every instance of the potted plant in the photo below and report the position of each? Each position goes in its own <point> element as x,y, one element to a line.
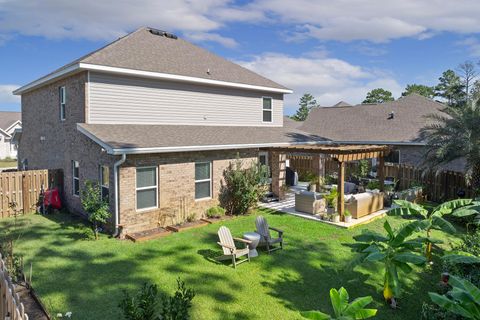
<point>348,216</point>
<point>313,183</point>
<point>331,200</point>
<point>336,218</point>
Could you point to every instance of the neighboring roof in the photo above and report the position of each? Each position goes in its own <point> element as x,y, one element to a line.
<point>8,118</point>
<point>370,124</point>
<point>161,56</point>
<point>342,104</point>
<point>126,138</point>
<point>290,123</point>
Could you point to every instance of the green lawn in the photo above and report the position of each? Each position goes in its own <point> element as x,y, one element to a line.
<point>87,277</point>
<point>8,164</point>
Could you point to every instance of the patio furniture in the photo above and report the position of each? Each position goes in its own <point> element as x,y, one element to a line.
<point>230,251</point>
<point>254,239</point>
<point>363,204</point>
<point>264,230</point>
<point>309,202</point>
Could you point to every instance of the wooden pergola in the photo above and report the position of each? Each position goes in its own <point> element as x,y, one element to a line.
<point>340,153</point>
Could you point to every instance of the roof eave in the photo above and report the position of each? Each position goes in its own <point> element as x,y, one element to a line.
<point>143,74</point>
<point>400,143</point>
<point>118,151</point>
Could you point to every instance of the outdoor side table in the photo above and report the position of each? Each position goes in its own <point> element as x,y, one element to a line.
<point>255,239</point>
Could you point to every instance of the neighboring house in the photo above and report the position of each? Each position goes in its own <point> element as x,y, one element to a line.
<point>9,122</point>
<point>156,120</point>
<point>396,123</point>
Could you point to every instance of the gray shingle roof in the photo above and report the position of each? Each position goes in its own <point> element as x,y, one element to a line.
<point>7,118</point>
<point>142,50</point>
<point>128,136</point>
<point>370,123</point>
<point>290,123</point>
<point>342,104</point>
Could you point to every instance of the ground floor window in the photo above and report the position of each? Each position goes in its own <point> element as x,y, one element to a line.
<point>76,178</point>
<point>203,180</point>
<point>105,181</point>
<point>147,188</point>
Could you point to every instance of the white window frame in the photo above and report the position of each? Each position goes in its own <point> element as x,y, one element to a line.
<point>147,188</point>
<point>263,153</point>
<point>75,178</point>
<point>204,180</point>
<point>62,98</point>
<point>271,109</point>
<point>102,186</point>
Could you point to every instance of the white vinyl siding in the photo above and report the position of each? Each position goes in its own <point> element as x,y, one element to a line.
<point>130,100</point>
<point>146,188</point>
<point>203,180</point>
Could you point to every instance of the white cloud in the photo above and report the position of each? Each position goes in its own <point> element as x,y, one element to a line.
<point>212,37</point>
<point>473,46</point>
<point>375,20</point>
<point>6,95</point>
<point>329,80</point>
<point>372,20</point>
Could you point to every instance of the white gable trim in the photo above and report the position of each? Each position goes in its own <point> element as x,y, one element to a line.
<point>144,74</point>
<point>13,125</point>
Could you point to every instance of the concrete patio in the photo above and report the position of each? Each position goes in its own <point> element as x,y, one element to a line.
<point>288,206</point>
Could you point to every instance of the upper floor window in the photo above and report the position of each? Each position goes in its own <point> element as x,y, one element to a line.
<point>203,180</point>
<point>62,99</point>
<point>267,109</point>
<point>105,181</point>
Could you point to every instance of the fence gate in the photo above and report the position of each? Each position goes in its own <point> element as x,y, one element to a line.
<point>20,190</point>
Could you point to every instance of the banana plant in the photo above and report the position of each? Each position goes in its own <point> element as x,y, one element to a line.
<point>395,251</point>
<point>430,218</point>
<point>473,209</point>
<point>463,299</point>
<point>343,309</point>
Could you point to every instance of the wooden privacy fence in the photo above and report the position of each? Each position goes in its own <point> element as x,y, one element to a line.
<point>439,185</point>
<point>11,307</point>
<point>20,190</point>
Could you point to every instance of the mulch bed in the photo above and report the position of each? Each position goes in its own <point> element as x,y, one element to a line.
<point>187,226</point>
<point>215,220</point>
<point>32,304</point>
<point>148,234</point>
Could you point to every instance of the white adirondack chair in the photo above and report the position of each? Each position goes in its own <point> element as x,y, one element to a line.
<point>263,229</point>
<point>230,251</point>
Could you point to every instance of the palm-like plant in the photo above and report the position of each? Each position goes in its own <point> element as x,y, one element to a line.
<point>430,218</point>
<point>343,309</point>
<point>455,135</point>
<point>463,299</point>
<point>473,209</point>
<point>394,250</point>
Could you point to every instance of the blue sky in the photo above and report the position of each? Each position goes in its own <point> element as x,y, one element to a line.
<point>336,50</point>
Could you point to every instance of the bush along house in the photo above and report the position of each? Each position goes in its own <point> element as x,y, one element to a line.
<point>155,120</point>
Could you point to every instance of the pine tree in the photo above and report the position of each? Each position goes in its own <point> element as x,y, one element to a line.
<point>307,102</point>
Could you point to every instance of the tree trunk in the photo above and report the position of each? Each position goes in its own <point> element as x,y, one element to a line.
<point>476,177</point>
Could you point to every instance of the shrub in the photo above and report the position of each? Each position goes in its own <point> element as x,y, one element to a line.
<point>146,305</point>
<point>142,306</point>
<point>215,212</point>
<point>94,205</point>
<point>242,187</point>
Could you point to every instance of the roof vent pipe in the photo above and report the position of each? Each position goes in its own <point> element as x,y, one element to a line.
<point>391,115</point>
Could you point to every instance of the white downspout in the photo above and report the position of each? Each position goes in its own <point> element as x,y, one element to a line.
<point>115,179</point>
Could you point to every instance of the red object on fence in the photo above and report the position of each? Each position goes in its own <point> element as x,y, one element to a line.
<point>52,198</point>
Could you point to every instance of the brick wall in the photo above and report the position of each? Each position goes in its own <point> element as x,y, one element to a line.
<point>176,186</point>
<point>61,142</point>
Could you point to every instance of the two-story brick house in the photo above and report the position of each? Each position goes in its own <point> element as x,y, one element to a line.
<point>153,118</point>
